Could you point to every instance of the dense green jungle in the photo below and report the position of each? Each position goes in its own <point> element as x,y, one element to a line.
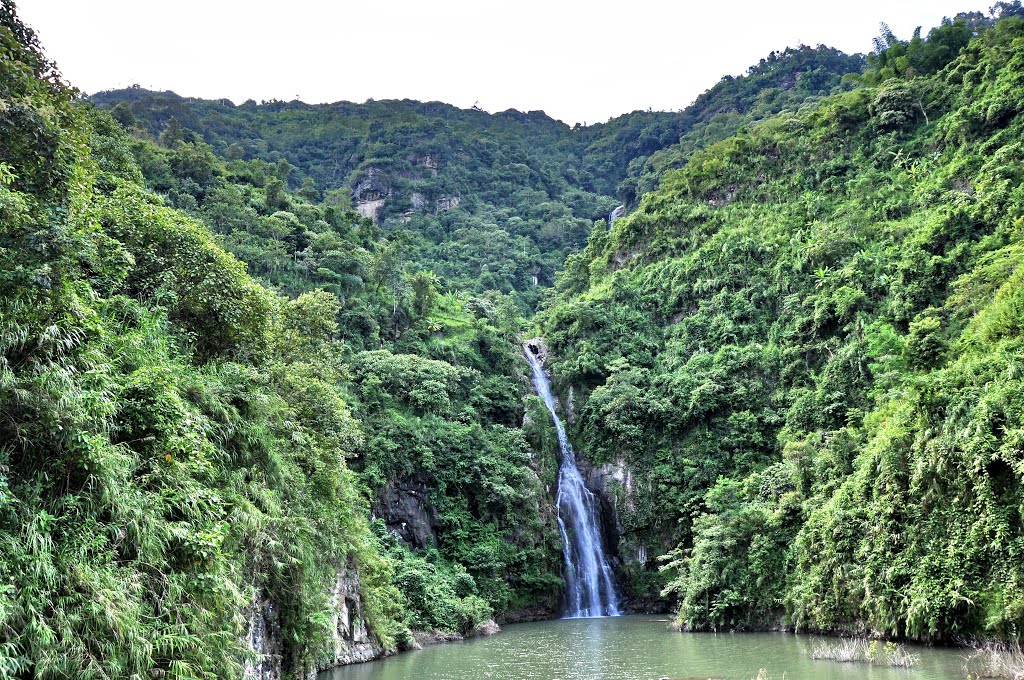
<point>264,407</point>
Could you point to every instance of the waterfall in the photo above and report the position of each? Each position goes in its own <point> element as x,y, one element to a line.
<point>588,577</point>
<point>615,214</point>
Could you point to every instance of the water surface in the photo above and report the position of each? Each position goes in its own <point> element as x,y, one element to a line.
<point>634,648</point>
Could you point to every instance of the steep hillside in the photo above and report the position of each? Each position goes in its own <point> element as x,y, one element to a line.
<point>485,201</point>
<point>263,407</point>
<point>188,458</point>
<point>806,349</point>
<point>488,202</point>
<point>630,153</point>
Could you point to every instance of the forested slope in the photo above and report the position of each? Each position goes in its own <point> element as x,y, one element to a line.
<point>188,457</point>
<point>485,201</point>
<point>229,335</point>
<point>631,152</point>
<point>807,349</point>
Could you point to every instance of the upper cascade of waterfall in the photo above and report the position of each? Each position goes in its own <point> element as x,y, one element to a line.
<point>616,213</point>
<point>589,589</point>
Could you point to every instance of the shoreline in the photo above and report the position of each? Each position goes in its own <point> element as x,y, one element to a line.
<point>491,627</point>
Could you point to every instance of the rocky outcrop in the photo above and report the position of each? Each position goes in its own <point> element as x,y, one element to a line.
<point>425,638</point>
<point>351,639</point>
<point>370,194</point>
<point>264,638</point>
<point>371,209</point>
<point>613,484</point>
<point>615,214</point>
<point>446,203</point>
<point>539,348</point>
<point>570,406</point>
<point>431,164</point>
<point>609,479</point>
<point>404,505</point>
<point>541,612</point>
<point>373,186</point>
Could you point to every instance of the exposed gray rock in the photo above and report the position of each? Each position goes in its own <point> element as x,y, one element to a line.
<point>616,487</point>
<point>371,209</point>
<point>405,507</point>
<point>542,612</point>
<point>372,187</point>
<point>617,474</point>
<point>430,163</point>
<point>353,642</point>
<point>425,638</point>
<point>485,629</point>
<point>263,638</point>
<point>613,485</point>
<point>370,193</point>
<point>446,203</point>
<point>539,347</point>
<point>351,639</point>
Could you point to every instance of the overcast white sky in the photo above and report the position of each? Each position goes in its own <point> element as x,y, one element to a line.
<point>580,61</point>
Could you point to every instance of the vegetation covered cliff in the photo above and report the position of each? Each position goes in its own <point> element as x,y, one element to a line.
<point>806,346</point>
<point>485,201</point>
<point>189,455</point>
<point>260,364</point>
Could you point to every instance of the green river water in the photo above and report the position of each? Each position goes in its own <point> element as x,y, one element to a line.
<point>635,648</point>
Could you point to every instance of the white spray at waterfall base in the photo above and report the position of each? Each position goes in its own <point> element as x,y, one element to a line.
<point>589,590</point>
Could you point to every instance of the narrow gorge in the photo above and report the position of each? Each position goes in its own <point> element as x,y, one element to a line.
<point>291,388</point>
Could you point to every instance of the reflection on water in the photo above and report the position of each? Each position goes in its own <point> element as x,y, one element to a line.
<point>633,648</point>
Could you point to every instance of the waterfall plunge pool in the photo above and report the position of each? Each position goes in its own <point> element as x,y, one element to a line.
<point>635,648</point>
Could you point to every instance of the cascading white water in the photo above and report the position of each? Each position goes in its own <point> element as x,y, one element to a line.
<point>615,214</point>
<point>589,590</point>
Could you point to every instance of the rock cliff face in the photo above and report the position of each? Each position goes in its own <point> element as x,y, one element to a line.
<point>370,194</point>
<point>446,203</point>
<point>539,347</point>
<point>377,187</point>
<point>615,485</point>
<point>431,164</point>
<point>263,638</point>
<point>371,209</point>
<point>351,639</point>
<point>404,505</point>
<point>613,482</point>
